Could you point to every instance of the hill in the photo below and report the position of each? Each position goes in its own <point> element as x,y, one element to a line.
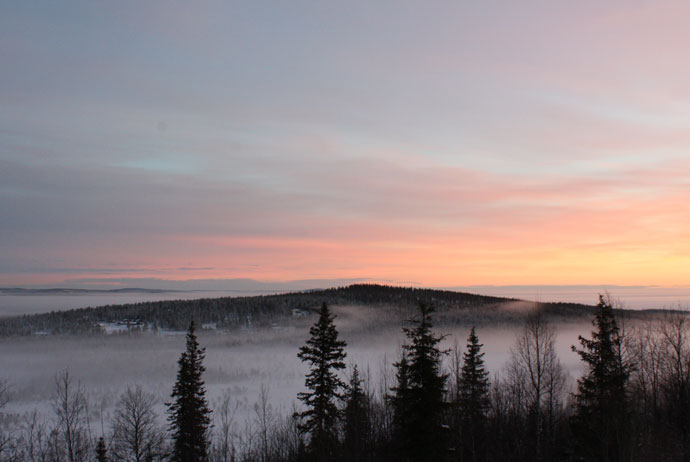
<point>393,305</point>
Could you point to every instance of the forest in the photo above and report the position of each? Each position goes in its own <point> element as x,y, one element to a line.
<point>229,313</point>
<point>632,402</point>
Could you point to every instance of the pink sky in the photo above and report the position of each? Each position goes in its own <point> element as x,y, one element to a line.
<point>464,144</point>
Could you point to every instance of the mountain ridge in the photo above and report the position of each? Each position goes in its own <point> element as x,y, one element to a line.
<point>395,304</point>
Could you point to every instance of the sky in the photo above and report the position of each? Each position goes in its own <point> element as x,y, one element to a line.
<point>415,143</point>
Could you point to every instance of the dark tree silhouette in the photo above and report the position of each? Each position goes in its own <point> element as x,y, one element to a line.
<point>601,411</point>
<point>473,399</point>
<point>418,401</point>
<point>400,403</point>
<point>537,379</point>
<point>325,355</point>
<point>675,332</point>
<point>101,451</point>
<point>357,432</point>
<point>189,414</point>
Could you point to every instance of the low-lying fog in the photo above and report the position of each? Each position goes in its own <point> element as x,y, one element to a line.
<point>631,297</point>
<point>239,362</point>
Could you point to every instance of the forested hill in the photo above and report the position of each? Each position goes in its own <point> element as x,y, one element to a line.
<point>278,310</point>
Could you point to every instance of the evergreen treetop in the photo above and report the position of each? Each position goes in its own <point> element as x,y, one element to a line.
<point>189,414</point>
<point>474,381</point>
<point>601,412</point>
<point>325,354</point>
<point>419,396</point>
<point>101,451</point>
<point>356,426</point>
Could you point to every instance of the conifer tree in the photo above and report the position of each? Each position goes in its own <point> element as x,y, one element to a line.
<point>474,380</point>
<point>101,451</point>
<point>357,431</point>
<point>601,414</point>
<point>189,414</point>
<point>418,402</point>
<point>325,355</point>
<point>400,402</point>
<point>473,399</point>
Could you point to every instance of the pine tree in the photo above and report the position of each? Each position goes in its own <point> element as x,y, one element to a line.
<point>325,355</point>
<point>189,414</point>
<point>400,402</point>
<point>357,431</point>
<point>101,451</point>
<point>418,401</point>
<point>474,381</point>
<point>601,410</point>
<point>473,399</point>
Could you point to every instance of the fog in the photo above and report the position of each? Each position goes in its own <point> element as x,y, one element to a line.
<point>631,297</point>
<point>237,362</point>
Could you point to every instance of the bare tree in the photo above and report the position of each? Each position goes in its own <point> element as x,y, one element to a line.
<point>4,393</point>
<point>649,349</point>
<point>8,450</point>
<point>536,372</point>
<point>71,435</point>
<point>264,418</point>
<point>286,438</point>
<point>384,417</point>
<point>35,438</point>
<point>137,436</point>
<point>675,332</point>
<point>224,448</point>
<point>455,366</point>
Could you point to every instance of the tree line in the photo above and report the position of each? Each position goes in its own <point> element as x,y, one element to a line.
<point>632,403</point>
<point>227,313</point>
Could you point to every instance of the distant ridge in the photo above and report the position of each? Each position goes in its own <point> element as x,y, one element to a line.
<point>393,305</point>
<point>68,291</point>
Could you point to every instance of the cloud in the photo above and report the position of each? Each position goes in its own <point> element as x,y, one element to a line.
<point>460,144</point>
<point>237,284</point>
<point>452,222</point>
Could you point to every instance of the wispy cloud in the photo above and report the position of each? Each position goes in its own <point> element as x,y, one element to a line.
<point>465,144</point>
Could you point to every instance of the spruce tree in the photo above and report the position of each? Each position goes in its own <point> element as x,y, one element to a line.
<point>400,403</point>
<point>325,355</point>
<point>357,432</point>
<point>189,414</point>
<point>418,401</point>
<point>601,414</point>
<point>473,399</point>
<point>101,451</point>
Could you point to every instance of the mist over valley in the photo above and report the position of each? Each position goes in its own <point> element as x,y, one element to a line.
<point>253,341</point>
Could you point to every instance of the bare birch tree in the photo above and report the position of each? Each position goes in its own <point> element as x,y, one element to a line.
<point>137,435</point>
<point>71,410</point>
<point>537,376</point>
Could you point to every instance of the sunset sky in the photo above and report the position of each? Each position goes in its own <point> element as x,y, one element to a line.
<point>429,143</point>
